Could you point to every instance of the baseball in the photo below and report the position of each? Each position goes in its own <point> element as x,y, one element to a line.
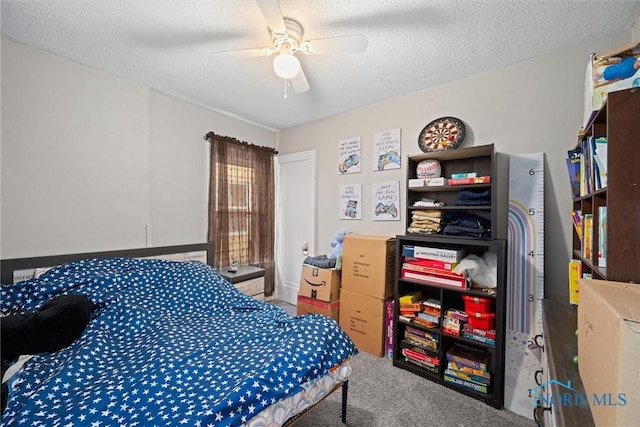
<point>428,169</point>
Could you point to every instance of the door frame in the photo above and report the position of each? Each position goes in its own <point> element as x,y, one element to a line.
<point>280,256</point>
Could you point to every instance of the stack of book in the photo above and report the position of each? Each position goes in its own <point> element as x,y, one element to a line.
<point>422,338</point>
<point>468,367</point>
<point>434,266</point>
<point>429,315</point>
<point>420,348</point>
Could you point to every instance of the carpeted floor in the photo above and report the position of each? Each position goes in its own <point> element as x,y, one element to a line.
<point>381,395</point>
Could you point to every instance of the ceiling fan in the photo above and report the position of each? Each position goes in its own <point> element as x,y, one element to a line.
<point>286,36</point>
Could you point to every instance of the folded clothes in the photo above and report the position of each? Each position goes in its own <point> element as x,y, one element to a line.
<point>461,223</point>
<point>427,212</point>
<point>473,198</point>
<point>320,261</point>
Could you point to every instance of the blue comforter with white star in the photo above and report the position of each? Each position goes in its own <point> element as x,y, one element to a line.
<point>169,343</point>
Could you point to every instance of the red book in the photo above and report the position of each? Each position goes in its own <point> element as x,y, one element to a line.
<point>476,180</point>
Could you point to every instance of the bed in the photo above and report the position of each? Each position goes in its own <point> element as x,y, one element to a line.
<point>169,342</point>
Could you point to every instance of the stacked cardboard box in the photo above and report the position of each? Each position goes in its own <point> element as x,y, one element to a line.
<point>367,284</point>
<point>319,292</point>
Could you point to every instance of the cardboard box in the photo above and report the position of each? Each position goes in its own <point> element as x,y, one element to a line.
<point>320,283</point>
<point>362,318</point>
<point>308,305</point>
<point>609,350</point>
<point>368,264</point>
<point>609,72</point>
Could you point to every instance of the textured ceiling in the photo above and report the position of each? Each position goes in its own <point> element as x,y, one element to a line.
<point>412,45</point>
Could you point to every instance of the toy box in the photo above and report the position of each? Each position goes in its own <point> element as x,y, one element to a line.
<point>609,72</point>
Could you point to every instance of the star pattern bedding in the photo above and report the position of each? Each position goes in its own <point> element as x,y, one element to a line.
<point>170,343</point>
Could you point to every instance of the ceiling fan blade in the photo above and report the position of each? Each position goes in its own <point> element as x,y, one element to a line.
<point>272,14</point>
<point>300,83</point>
<point>253,52</point>
<point>341,44</point>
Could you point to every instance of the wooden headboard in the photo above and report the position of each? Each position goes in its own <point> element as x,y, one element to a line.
<point>178,253</point>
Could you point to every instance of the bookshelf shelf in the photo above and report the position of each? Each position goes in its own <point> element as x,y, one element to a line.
<point>619,122</point>
<point>484,161</point>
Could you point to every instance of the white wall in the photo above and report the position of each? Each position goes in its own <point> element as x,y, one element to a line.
<point>534,106</point>
<point>89,159</point>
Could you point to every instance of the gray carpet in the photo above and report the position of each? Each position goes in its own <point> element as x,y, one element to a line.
<point>381,395</point>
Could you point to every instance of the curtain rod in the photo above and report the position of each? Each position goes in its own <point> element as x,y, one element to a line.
<point>232,140</point>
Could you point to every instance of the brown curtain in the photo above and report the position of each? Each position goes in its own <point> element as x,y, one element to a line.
<point>242,204</point>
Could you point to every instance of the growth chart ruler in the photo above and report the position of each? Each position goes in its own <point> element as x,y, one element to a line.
<point>525,280</point>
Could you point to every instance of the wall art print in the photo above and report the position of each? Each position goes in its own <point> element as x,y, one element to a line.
<point>386,150</point>
<point>350,203</point>
<point>349,155</point>
<point>386,201</point>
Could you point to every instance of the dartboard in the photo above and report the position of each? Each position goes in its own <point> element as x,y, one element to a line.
<point>445,133</point>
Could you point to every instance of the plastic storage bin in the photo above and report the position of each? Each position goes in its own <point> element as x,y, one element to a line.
<point>476,304</point>
<point>481,320</point>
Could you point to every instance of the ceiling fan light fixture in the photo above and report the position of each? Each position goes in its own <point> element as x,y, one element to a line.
<point>286,66</point>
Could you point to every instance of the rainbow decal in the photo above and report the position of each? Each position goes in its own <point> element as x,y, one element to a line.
<point>522,274</point>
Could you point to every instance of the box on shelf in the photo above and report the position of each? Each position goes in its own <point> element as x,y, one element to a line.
<point>368,265</point>
<point>609,350</point>
<point>609,72</point>
<point>308,305</point>
<point>362,318</point>
<point>319,283</point>
<point>434,253</point>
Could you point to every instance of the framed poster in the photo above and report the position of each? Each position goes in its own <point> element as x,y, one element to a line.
<point>386,150</point>
<point>386,201</point>
<point>349,155</point>
<point>350,201</point>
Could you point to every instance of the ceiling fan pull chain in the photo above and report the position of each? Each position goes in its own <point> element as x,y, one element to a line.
<point>285,88</point>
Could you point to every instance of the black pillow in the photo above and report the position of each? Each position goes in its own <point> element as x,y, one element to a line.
<point>56,325</point>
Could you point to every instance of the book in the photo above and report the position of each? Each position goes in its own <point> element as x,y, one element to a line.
<point>476,180</point>
<point>468,356</point>
<point>573,167</point>
<point>587,236</point>
<point>602,236</point>
<point>575,273</point>
<point>435,279</point>
<point>432,263</point>
<point>576,217</point>
<point>438,254</point>
<point>600,157</point>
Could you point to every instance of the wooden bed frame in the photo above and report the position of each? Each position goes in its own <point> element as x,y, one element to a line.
<point>9,266</point>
